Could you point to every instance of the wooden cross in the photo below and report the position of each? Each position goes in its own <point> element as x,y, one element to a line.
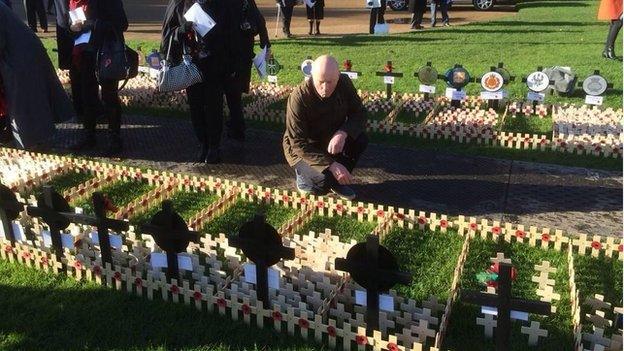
<point>505,302</point>
<point>433,305</point>
<point>500,257</point>
<point>422,331</point>
<point>261,243</point>
<point>171,234</point>
<point>542,279</point>
<point>374,268</point>
<point>597,338</point>
<point>547,294</point>
<point>388,72</point>
<point>10,209</point>
<point>597,303</point>
<point>489,323</point>
<point>534,332</point>
<point>102,223</point>
<point>598,319</point>
<point>50,206</point>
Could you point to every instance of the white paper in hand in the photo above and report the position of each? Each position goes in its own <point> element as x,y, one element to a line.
<point>83,38</point>
<point>77,15</point>
<point>202,22</point>
<point>260,63</point>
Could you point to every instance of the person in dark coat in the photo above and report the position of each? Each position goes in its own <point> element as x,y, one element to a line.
<point>214,56</point>
<point>106,21</point>
<point>34,97</point>
<point>286,7</point>
<point>377,16</point>
<point>34,9</point>
<point>249,24</point>
<point>315,14</point>
<point>443,6</point>
<point>417,8</point>
<point>65,46</point>
<point>7,2</point>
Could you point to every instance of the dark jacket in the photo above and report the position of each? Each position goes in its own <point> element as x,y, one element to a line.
<point>33,92</point>
<point>218,42</point>
<point>244,40</point>
<point>311,121</point>
<point>6,2</point>
<point>64,37</point>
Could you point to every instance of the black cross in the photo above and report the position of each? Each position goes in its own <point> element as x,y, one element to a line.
<point>102,223</point>
<point>374,268</point>
<point>388,72</point>
<point>171,234</point>
<point>52,209</point>
<point>261,243</point>
<point>504,303</point>
<point>10,209</point>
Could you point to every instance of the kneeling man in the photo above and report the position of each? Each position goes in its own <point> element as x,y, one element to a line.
<point>324,136</point>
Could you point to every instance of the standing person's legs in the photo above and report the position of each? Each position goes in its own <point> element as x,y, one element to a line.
<point>433,8</point>
<point>382,12</point>
<point>373,20</point>
<point>89,93</point>
<point>233,94</point>
<point>41,13</point>
<point>214,117</point>
<point>76,91</point>
<point>197,108</point>
<point>50,6</point>
<point>287,12</point>
<point>31,14</point>
<point>112,109</point>
<point>614,30</point>
<point>444,10</point>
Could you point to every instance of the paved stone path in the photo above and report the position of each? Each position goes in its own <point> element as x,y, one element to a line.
<point>574,199</point>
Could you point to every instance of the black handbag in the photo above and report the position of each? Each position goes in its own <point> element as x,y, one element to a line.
<point>116,61</point>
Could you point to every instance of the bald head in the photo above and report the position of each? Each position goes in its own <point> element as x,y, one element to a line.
<point>325,75</point>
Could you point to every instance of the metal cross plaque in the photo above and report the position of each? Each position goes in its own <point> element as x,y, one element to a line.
<point>595,85</point>
<point>492,81</point>
<point>538,81</point>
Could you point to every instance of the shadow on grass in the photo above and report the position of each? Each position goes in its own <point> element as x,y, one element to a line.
<point>45,312</point>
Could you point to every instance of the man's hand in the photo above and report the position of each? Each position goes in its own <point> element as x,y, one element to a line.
<point>76,27</point>
<point>341,174</point>
<point>336,144</point>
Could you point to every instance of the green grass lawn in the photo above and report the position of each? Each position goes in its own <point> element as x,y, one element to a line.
<point>243,211</point>
<point>531,125</point>
<point>429,256</point>
<point>42,311</point>
<point>186,204</point>
<point>347,228</point>
<point>602,276</point>
<point>63,182</point>
<point>119,193</point>
<point>465,334</point>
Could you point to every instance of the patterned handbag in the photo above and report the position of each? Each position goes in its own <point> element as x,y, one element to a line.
<point>177,77</point>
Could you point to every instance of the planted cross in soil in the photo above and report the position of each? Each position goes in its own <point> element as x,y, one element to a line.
<point>186,204</point>
<point>63,182</point>
<point>243,211</point>
<point>119,193</point>
<point>374,268</point>
<point>171,234</point>
<point>261,243</point>
<point>345,227</point>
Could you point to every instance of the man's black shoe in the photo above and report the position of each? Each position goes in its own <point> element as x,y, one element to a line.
<point>343,191</point>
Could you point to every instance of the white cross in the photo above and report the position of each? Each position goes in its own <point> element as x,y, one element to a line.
<point>433,305</point>
<point>534,332</point>
<point>489,323</point>
<point>423,331</point>
<point>596,338</point>
<point>500,257</point>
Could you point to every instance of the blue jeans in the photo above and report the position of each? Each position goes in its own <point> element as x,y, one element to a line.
<point>443,9</point>
<point>311,180</point>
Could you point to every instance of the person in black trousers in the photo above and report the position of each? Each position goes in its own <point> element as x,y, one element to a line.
<point>250,23</point>
<point>286,7</point>
<point>106,20</point>
<point>443,5</point>
<point>315,14</point>
<point>417,8</point>
<point>34,9</point>
<point>213,54</point>
<point>377,16</point>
